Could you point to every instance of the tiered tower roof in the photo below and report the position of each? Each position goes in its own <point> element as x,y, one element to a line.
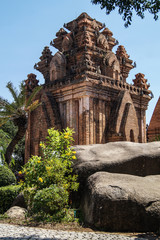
<point>85,49</point>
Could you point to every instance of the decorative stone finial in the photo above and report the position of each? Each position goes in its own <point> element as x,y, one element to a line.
<point>121,52</point>
<point>107,32</point>
<point>125,62</point>
<point>61,32</point>
<point>43,65</point>
<point>31,82</point>
<point>46,54</point>
<point>140,81</point>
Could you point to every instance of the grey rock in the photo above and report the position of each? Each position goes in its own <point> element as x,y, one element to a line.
<point>19,201</point>
<point>121,202</point>
<point>139,159</point>
<point>16,212</point>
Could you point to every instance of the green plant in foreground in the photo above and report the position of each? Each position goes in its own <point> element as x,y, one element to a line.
<point>6,176</point>
<point>3,216</point>
<point>49,178</point>
<point>157,138</point>
<point>7,196</point>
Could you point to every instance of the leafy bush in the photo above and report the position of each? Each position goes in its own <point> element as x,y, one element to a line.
<point>157,138</point>
<point>7,196</point>
<point>49,179</point>
<point>6,176</point>
<point>50,200</point>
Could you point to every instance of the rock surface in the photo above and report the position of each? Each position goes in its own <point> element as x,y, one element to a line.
<point>121,202</point>
<point>16,212</point>
<point>139,159</point>
<point>19,201</point>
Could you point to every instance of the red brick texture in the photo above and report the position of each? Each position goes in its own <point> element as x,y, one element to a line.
<point>154,126</point>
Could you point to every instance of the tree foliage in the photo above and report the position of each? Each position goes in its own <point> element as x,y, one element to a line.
<point>7,133</point>
<point>4,141</point>
<point>127,7</point>
<point>17,112</point>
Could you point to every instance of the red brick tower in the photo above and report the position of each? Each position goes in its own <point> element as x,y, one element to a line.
<point>85,88</point>
<point>154,126</point>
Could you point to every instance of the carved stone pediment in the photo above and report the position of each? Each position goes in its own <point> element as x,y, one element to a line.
<point>67,43</point>
<point>58,66</point>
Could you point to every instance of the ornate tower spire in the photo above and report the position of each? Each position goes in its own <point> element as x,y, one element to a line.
<point>111,41</point>
<point>43,65</point>
<point>141,82</point>
<point>30,83</point>
<point>125,62</point>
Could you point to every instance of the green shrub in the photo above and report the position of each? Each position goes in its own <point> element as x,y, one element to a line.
<point>157,138</point>
<point>49,179</point>
<point>7,196</point>
<point>51,201</point>
<point>6,176</point>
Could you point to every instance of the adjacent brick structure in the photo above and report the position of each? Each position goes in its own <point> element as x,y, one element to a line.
<point>154,126</point>
<point>85,88</point>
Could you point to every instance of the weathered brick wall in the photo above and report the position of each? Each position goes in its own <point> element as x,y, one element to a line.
<point>97,113</point>
<point>127,119</point>
<point>154,126</point>
<point>41,119</point>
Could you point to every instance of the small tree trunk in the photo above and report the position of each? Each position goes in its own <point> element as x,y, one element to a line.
<point>19,135</point>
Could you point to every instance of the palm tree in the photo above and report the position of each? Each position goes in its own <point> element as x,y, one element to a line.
<point>18,112</point>
<point>4,141</point>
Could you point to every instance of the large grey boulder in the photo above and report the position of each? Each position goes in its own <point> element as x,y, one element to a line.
<point>139,159</point>
<point>121,202</point>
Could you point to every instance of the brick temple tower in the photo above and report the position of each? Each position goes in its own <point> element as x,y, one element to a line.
<point>85,88</point>
<point>154,126</point>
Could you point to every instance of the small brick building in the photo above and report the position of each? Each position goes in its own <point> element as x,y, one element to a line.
<point>154,126</point>
<point>85,88</point>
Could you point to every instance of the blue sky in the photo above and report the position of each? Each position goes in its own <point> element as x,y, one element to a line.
<point>27,26</point>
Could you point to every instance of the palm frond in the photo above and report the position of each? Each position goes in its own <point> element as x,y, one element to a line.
<point>33,106</point>
<point>20,107</point>
<point>4,113</point>
<point>3,121</point>
<point>13,92</point>
<point>3,102</point>
<point>32,96</point>
<point>22,95</point>
<point>9,108</point>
